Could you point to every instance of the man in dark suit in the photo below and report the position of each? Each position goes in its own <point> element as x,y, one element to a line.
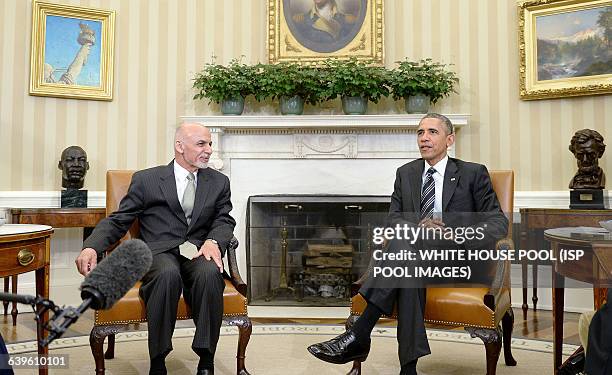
<point>424,190</point>
<point>599,348</point>
<point>183,212</point>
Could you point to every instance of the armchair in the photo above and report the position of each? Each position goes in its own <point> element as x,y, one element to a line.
<point>131,309</point>
<point>480,310</point>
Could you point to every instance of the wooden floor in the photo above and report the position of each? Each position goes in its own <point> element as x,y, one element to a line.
<point>537,326</point>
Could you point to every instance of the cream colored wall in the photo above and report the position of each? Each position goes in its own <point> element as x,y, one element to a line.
<point>161,43</point>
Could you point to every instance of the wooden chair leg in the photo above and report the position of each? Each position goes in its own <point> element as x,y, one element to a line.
<point>245,328</point>
<point>492,339</point>
<point>356,369</point>
<point>110,350</point>
<point>96,342</point>
<point>507,327</point>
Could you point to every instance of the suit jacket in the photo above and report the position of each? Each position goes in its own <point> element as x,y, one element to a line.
<point>467,194</point>
<point>153,200</point>
<point>599,349</point>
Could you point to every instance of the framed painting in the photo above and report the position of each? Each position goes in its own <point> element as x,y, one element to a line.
<point>314,30</point>
<point>72,51</point>
<point>565,48</point>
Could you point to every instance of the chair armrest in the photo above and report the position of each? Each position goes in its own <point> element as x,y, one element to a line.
<point>502,274</point>
<point>234,274</point>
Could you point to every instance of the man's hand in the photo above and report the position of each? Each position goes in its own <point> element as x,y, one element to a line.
<point>431,223</point>
<point>86,261</point>
<point>210,250</point>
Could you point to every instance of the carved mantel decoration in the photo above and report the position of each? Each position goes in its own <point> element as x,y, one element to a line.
<point>320,136</point>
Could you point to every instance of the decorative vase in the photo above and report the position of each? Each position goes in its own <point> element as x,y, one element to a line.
<point>232,106</point>
<point>354,105</point>
<point>417,103</point>
<point>291,105</point>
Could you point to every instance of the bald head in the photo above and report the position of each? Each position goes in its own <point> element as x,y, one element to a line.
<point>192,146</point>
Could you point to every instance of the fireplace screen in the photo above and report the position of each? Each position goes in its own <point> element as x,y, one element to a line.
<point>307,250</point>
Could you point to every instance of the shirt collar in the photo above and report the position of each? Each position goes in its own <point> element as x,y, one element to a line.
<point>440,166</point>
<point>181,173</point>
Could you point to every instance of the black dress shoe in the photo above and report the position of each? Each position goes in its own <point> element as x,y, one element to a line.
<point>205,371</point>
<point>341,349</point>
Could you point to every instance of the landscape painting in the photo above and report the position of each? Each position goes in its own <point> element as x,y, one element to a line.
<point>565,48</point>
<point>574,44</point>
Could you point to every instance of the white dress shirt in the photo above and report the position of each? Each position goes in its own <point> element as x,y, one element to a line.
<point>438,177</point>
<point>180,177</point>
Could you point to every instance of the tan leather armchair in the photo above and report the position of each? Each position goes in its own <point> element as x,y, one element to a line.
<point>478,309</point>
<point>130,309</point>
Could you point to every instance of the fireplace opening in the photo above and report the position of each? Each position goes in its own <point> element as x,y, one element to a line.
<point>306,250</point>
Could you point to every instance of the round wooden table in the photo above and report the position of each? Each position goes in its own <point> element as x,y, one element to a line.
<point>591,268</point>
<point>25,248</point>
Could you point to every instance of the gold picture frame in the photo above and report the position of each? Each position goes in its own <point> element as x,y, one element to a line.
<point>351,28</point>
<point>559,46</point>
<point>72,51</point>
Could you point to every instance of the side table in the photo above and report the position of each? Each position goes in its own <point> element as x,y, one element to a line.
<point>85,218</point>
<point>25,248</point>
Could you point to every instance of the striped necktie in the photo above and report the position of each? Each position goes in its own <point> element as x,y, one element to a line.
<point>428,195</point>
<point>189,197</point>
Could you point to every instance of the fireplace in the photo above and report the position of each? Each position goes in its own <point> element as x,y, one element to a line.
<point>322,155</point>
<point>306,250</point>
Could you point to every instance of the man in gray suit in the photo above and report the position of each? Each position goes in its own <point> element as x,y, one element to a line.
<point>180,205</point>
<point>424,189</point>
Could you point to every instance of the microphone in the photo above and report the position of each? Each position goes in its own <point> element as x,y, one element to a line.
<point>105,285</point>
<point>19,298</point>
<point>116,274</point>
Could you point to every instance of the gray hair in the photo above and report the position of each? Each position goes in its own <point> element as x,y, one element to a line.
<point>445,120</point>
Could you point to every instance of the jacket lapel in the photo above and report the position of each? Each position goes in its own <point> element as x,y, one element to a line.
<point>416,182</point>
<point>168,188</point>
<point>201,194</point>
<point>451,179</point>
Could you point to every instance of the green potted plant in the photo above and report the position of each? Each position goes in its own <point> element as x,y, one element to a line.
<point>291,83</point>
<point>227,85</point>
<point>356,82</point>
<point>421,83</point>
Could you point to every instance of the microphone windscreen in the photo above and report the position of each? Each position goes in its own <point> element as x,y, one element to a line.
<point>116,274</point>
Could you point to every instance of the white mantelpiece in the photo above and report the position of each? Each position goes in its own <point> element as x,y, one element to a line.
<point>332,136</point>
<point>334,154</point>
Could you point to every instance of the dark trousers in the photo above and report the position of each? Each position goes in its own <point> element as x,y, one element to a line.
<point>411,335</point>
<point>410,300</point>
<point>5,368</point>
<point>202,286</point>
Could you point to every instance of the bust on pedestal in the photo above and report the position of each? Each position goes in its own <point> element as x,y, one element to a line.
<point>74,166</point>
<point>589,182</point>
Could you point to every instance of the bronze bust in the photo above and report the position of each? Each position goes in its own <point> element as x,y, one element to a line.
<point>587,146</point>
<point>74,166</point>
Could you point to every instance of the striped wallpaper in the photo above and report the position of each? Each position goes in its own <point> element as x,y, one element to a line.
<point>161,43</point>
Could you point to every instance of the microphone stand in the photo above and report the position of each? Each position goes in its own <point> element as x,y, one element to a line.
<point>61,320</point>
<point>62,317</point>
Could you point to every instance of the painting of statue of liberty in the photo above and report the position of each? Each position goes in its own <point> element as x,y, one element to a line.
<point>576,43</point>
<point>72,53</point>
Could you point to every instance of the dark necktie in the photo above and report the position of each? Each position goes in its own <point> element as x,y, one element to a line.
<point>428,195</point>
